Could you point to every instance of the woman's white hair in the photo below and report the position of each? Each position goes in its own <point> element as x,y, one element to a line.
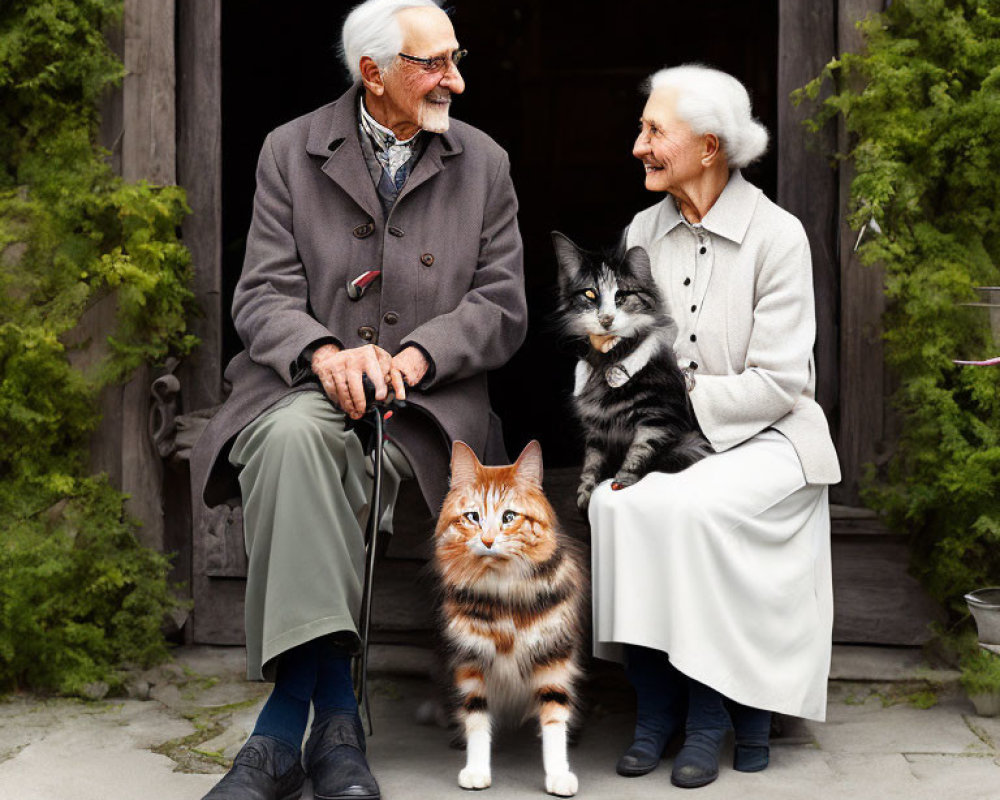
<point>371,29</point>
<point>712,101</point>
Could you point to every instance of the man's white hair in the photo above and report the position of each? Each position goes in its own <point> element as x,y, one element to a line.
<point>712,101</point>
<point>371,29</point>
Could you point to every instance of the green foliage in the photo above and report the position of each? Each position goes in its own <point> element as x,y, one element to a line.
<point>980,668</point>
<point>78,594</point>
<point>981,672</point>
<point>922,106</point>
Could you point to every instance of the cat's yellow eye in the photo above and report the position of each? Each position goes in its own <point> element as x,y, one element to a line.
<point>590,294</point>
<point>472,516</point>
<point>509,517</point>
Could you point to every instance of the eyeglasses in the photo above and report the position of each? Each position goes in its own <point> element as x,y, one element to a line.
<point>436,63</point>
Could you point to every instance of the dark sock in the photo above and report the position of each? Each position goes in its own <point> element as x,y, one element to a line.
<point>661,699</point>
<point>707,722</point>
<point>286,711</point>
<point>753,731</point>
<point>334,688</point>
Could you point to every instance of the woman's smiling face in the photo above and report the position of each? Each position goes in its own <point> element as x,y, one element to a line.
<point>669,150</point>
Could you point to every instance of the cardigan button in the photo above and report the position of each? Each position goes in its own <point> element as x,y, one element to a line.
<point>368,333</point>
<point>365,230</point>
<point>427,259</point>
<point>398,233</point>
<point>687,281</point>
<point>703,250</point>
<point>391,318</point>
<point>693,365</point>
<point>694,338</point>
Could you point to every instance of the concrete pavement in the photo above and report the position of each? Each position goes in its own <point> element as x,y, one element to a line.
<point>879,740</point>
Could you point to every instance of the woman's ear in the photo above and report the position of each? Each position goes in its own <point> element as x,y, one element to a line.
<point>371,75</point>
<point>711,149</point>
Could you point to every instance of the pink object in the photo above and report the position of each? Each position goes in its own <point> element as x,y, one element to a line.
<point>990,362</point>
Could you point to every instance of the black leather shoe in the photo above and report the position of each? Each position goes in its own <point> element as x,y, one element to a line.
<point>750,757</point>
<point>697,764</point>
<point>335,759</point>
<point>636,761</point>
<point>264,769</point>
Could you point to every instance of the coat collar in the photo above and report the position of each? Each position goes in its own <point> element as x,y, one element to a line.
<point>333,133</point>
<point>729,217</point>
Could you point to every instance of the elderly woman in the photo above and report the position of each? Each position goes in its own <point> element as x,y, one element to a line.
<point>713,584</point>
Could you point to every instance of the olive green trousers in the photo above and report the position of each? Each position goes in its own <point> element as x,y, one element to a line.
<point>306,487</point>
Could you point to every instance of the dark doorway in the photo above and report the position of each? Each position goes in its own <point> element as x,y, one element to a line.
<point>557,84</point>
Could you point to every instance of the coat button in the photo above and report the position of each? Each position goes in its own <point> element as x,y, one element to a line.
<point>427,259</point>
<point>367,332</point>
<point>362,231</point>
<point>396,232</point>
<point>693,365</point>
<point>694,338</point>
<point>391,318</point>
<point>687,281</point>
<point>703,250</point>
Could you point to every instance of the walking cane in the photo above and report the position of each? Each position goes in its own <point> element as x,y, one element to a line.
<point>376,415</point>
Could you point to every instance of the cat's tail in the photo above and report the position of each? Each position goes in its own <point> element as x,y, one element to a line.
<point>691,447</point>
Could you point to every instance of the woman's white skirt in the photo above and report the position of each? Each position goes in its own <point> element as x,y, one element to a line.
<point>726,567</point>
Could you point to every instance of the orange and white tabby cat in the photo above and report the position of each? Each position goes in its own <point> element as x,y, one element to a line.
<point>513,590</point>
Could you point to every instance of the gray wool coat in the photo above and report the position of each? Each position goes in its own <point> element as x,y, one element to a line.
<point>452,283</point>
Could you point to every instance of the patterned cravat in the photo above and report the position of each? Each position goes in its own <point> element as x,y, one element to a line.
<point>391,153</point>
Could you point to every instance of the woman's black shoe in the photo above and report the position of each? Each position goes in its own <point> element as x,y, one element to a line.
<point>697,764</point>
<point>661,706</point>
<point>753,731</point>
<point>636,761</point>
<point>751,757</point>
<point>264,769</point>
<point>335,759</point>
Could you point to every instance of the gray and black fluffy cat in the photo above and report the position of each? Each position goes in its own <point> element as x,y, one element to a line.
<point>629,394</point>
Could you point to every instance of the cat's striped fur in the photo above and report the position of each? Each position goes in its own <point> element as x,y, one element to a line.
<point>513,602</point>
<point>630,396</point>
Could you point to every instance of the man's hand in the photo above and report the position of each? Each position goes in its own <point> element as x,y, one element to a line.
<point>412,364</point>
<point>340,372</point>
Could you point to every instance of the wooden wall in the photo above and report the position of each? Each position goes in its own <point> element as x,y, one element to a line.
<point>807,186</point>
<point>138,126</point>
<point>163,125</point>
<point>865,430</point>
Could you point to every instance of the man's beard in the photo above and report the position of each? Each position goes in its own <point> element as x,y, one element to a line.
<point>434,116</point>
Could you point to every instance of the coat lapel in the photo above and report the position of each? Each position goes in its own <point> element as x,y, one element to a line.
<point>440,146</point>
<point>334,135</point>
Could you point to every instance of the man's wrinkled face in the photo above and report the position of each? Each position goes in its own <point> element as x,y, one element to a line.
<point>415,95</point>
<point>669,150</point>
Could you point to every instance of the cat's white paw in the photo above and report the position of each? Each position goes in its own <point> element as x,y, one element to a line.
<point>563,784</point>
<point>472,778</point>
<point>616,376</point>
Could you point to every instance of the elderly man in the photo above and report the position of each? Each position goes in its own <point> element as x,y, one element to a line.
<point>384,243</point>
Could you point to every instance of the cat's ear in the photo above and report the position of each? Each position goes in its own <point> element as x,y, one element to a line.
<point>463,464</point>
<point>637,262</point>
<point>569,256</point>
<point>529,463</point>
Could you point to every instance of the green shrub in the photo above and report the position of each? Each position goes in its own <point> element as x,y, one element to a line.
<point>922,107</point>
<point>980,672</point>
<point>78,594</point>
